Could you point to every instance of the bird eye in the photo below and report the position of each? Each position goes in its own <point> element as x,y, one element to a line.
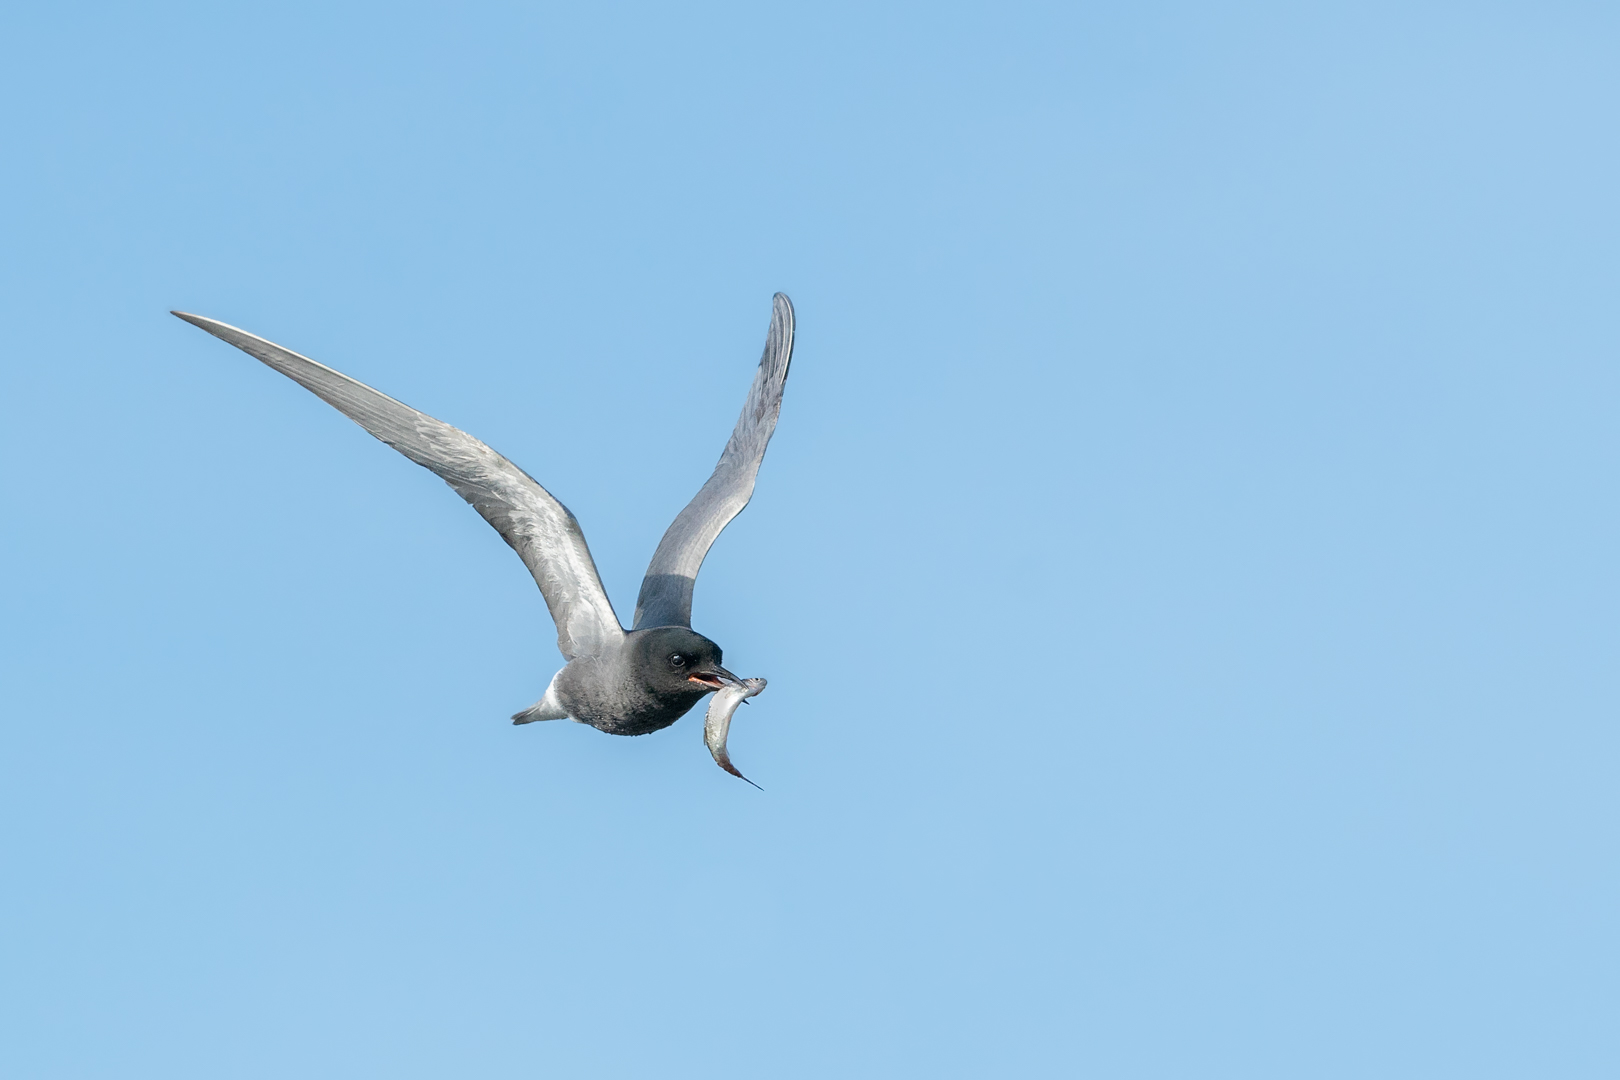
<point>677,660</point>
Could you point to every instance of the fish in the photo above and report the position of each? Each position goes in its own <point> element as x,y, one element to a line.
<point>717,724</point>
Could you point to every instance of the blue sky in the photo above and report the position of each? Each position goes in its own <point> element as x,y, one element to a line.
<point>1185,567</point>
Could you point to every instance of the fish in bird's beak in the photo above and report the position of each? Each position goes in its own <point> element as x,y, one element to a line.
<point>714,678</point>
<point>717,725</point>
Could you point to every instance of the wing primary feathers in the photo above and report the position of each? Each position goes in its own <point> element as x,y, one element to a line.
<point>666,591</point>
<point>539,528</point>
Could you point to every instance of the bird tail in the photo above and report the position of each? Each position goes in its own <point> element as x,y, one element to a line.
<point>547,708</point>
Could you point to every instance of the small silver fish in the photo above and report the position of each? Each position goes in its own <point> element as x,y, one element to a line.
<point>718,722</point>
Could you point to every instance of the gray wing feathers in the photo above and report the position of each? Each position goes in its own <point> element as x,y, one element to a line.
<point>666,591</point>
<point>538,527</point>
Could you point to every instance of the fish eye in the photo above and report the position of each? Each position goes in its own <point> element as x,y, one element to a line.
<point>677,660</point>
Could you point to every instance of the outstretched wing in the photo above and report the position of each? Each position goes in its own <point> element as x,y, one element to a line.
<point>539,528</point>
<point>666,591</point>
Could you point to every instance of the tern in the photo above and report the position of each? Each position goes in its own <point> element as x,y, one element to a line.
<point>624,682</point>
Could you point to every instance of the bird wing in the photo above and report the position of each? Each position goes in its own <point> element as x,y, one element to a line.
<point>538,527</point>
<point>666,591</point>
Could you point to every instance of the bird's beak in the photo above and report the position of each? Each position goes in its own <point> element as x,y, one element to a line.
<point>714,678</point>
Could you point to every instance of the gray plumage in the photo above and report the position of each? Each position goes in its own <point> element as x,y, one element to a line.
<point>666,591</point>
<point>626,683</point>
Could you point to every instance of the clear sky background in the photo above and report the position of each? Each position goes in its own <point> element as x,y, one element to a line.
<point>1185,568</point>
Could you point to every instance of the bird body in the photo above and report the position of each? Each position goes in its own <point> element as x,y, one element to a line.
<point>634,688</point>
<point>624,682</point>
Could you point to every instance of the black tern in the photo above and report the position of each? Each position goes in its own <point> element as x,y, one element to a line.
<point>624,682</point>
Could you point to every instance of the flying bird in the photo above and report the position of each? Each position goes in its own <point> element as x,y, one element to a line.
<point>624,682</point>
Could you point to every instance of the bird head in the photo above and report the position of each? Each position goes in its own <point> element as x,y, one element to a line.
<point>681,661</point>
